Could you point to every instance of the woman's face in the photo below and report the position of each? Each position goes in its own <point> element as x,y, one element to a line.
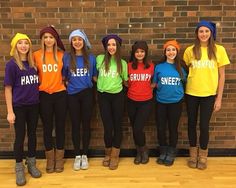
<point>111,47</point>
<point>204,34</point>
<point>171,53</point>
<point>23,46</point>
<point>77,43</point>
<point>139,54</point>
<point>49,40</point>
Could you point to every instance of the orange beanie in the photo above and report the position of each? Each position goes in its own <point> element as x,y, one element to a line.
<point>172,43</point>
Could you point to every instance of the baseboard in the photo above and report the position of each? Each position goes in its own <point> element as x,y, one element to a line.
<point>223,152</point>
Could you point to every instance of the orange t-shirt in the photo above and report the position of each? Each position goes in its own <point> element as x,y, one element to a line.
<point>50,72</point>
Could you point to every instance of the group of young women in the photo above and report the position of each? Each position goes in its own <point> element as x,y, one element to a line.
<point>47,81</point>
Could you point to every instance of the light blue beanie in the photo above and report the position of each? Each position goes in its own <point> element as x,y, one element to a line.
<point>80,33</point>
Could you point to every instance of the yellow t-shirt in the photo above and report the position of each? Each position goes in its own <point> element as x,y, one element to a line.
<point>50,72</point>
<point>202,79</point>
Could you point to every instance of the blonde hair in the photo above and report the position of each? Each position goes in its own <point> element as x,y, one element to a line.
<point>30,59</point>
<point>55,49</point>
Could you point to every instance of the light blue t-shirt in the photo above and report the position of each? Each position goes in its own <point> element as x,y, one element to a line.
<point>82,78</point>
<point>169,84</point>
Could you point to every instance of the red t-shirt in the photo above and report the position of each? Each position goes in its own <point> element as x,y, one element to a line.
<point>139,83</point>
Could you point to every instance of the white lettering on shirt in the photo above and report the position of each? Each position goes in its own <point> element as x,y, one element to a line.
<point>29,79</point>
<point>170,81</point>
<point>110,73</point>
<point>80,72</point>
<point>50,68</point>
<point>140,77</point>
<point>203,64</point>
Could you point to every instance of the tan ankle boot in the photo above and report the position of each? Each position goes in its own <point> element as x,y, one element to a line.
<point>59,163</point>
<point>202,159</point>
<point>106,160</point>
<point>193,152</point>
<point>50,156</point>
<point>114,161</point>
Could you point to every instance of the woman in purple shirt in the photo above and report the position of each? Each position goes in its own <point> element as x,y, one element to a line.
<point>22,99</point>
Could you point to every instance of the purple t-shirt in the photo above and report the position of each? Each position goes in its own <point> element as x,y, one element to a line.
<point>24,83</point>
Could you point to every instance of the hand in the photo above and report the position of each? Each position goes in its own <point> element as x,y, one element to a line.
<point>11,118</point>
<point>217,105</point>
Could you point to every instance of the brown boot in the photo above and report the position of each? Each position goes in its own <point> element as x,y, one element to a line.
<point>202,159</point>
<point>114,161</point>
<point>50,156</point>
<point>106,160</point>
<point>59,163</point>
<point>192,162</point>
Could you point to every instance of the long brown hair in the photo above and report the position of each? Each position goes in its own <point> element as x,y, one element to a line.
<point>178,62</point>
<point>117,56</point>
<point>211,48</point>
<point>85,55</point>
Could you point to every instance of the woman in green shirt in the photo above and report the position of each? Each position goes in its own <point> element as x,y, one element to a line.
<point>112,71</point>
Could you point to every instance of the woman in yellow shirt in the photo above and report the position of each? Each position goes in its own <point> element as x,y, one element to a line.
<point>206,61</point>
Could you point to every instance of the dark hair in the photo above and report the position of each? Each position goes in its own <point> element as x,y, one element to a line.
<point>178,62</point>
<point>139,45</point>
<point>211,47</point>
<point>85,56</point>
<point>107,58</point>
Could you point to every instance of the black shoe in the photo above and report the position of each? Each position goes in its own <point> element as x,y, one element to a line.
<point>144,154</point>
<point>170,158</point>
<point>162,157</point>
<point>138,158</point>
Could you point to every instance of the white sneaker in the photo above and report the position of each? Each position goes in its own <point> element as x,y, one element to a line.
<point>84,162</point>
<point>77,162</point>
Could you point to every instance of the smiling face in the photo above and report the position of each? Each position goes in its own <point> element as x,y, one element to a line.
<point>204,34</point>
<point>78,44</point>
<point>111,46</point>
<point>23,47</point>
<point>139,54</point>
<point>49,40</point>
<point>170,53</point>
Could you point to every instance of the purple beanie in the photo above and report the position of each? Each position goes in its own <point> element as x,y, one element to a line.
<point>108,37</point>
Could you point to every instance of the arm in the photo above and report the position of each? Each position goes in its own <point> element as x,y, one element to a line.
<point>10,113</point>
<point>221,82</point>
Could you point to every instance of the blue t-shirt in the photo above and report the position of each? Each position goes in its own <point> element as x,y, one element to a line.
<point>169,84</point>
<point>82,78</point>
<point>24,83</point>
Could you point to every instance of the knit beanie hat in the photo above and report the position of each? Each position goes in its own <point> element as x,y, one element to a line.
<point>140,45</point>
<point>209,25</point>
<point>172,43</point>
<point>80,33</point>
<point>108,37</point>
<point>15,39</point>
<point>53,32</point>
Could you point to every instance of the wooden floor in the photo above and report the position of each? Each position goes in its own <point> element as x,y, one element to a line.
<point>221,173</point>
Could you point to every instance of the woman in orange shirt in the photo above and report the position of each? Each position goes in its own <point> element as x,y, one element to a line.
<point>52,96</point>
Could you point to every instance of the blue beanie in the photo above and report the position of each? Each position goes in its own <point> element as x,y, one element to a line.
<point>209,25</point>
<point>80,33</point>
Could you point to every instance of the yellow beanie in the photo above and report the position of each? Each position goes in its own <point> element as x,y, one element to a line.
<point>16,38</point>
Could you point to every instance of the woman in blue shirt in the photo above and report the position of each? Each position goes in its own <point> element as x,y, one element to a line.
<point>79,70</point>
<point>169,77</point>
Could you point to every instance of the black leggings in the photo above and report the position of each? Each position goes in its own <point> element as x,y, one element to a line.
<point>138,112</point>
<point>53,107</point>
<point>80,108</point>
<point>25,116</point>
<point>111,110</point>
<point>168,114</point>
<point>206,105</point>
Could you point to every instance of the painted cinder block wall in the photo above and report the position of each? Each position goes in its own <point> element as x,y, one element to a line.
<point>152,20</point>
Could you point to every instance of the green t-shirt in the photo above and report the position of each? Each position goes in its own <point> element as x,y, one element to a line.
<point>111,81</point>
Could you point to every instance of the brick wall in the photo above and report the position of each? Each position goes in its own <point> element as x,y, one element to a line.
<point>154,21</point>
